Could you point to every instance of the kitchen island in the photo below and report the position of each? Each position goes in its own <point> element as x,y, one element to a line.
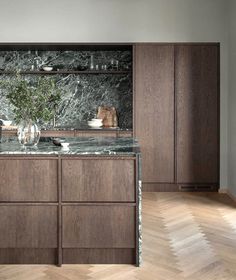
<point>76,205</point>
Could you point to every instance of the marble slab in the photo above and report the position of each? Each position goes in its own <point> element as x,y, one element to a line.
<point>123,146</point>
<point>82,94</point>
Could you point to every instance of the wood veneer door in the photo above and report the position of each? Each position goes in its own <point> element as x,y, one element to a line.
<point>196,86</point>
<point>98,226</point>
<point>28,226</point>
<point>98,180</point>
<point>154,110</point>
<point>28,180</point>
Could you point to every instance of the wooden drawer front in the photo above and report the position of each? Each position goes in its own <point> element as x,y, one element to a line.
<point>28,180</point>
<point>55,133</point>
<point>98,227</point>
<point>98,180</point>
<point>96,133</point>
<point>28,226</point>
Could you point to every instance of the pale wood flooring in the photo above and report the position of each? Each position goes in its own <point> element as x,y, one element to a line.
<point>186,236</point>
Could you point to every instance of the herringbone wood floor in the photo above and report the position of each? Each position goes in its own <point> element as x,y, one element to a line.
<point>185,236</point>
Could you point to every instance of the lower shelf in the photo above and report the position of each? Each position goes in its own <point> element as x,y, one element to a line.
<point>28,256</point>
<point>69,256</point>
<point>98,256</point>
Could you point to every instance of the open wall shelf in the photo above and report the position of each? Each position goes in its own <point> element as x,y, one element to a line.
<point>95,72</point>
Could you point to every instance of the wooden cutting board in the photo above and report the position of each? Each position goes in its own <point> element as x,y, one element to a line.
<point>108,116</point>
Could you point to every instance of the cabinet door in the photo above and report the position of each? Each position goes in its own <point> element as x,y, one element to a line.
<point>98,180</point>
<point>154,110</point>
<point>98,226</point>
<point>28,180</point>
<point>28,226</point>
<point>196,85</point>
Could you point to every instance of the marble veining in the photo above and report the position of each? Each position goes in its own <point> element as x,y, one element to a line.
<point>78,146</point>
<point>82,93</point>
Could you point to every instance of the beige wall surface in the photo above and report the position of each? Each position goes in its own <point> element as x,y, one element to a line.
<point>124,21</point>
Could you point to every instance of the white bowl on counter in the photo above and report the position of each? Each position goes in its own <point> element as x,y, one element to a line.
<point>65,144</point>
<point>95,123</point>
<point>6,123</point>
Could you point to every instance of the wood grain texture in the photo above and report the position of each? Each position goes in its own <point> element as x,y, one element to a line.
<point>28,226</point>
<point>98,256</point>
<point>186,236</point>
<point>28,256</point>
<point>154,110</point>
<point>101,133</point>
<point>28,180</point>
<point>196,86</point>
<point>98,227</point>
<point>98,180</point>
<point>80,133</point>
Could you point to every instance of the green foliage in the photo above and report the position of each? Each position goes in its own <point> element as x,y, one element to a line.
<point>32,101</point>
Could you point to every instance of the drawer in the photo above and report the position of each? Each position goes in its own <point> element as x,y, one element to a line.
<point>28,226</point>
<point>98,226</point>
<point>98,180</point>
<point>90,133</point>
<point>57,133</point>
<point>28,180</point>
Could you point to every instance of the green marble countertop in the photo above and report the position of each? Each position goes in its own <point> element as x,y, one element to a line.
<point>78,146</point>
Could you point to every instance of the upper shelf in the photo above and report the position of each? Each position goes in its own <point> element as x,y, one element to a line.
<point>67,72</point>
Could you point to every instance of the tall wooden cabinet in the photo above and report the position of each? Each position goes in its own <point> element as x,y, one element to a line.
<point>154,110</point>
<point>176,115</point>
<point>196,89</point>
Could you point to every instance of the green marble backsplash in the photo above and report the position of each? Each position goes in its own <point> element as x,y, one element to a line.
<point>82,93</point>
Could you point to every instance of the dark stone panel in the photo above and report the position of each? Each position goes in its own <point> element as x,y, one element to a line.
<point>82,94</point>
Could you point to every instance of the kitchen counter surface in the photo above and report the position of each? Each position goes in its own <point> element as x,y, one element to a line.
<point>78,146</point>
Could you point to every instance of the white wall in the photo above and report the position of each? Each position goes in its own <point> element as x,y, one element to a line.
<point>232,97</point>
<point>123,21</point>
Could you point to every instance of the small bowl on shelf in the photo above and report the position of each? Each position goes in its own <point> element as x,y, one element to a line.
<point>47,68</point>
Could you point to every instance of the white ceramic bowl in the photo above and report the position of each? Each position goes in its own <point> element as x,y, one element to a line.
<point>47,68</point>
<point>65,145</point>
<point>97,120</point>
<point>94,124</point>
<point>7,123</point>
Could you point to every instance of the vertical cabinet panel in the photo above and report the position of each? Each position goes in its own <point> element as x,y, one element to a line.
<point>98,226</point>
<point>196,85</point>
<point>28,226</point>
<point>154,110</point>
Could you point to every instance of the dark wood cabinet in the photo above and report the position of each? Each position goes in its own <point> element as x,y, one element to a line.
<point>69,209</point>
<point>176,109</point>
<point>197,113</point>
<point>28,180</point>
<point>98,180</point>
<point>98,226</point>
<point>27,226</point>
<point>154,110</point>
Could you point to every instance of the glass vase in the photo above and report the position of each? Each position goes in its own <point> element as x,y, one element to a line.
<point>28,133</point>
